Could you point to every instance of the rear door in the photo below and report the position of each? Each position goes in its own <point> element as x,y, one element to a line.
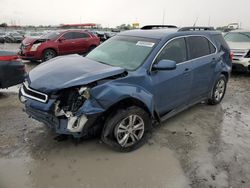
<point>203,60</point>
<point>172,88</point>
<point>82,40</point>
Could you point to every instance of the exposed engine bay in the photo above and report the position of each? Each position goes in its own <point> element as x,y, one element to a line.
<point>67,105</point>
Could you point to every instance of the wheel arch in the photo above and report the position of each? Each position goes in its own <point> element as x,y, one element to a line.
<point>226,74</point>
<point>50,48</point>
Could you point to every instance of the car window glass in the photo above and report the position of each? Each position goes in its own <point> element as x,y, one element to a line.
<point>122,51</point>
<point>78,35</point>
<point>68,36</point>
<point>238,37</point>
<point>198,46</point>
<point>212,48</point>
<point>175,51</point>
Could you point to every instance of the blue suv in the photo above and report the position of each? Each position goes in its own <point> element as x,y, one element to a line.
<point>130,83</point>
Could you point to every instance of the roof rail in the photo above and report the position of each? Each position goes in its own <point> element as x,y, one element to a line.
<point>158,26</point>
<point>196,29</point>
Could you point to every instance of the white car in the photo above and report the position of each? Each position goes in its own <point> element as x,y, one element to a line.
<point>239,43</point>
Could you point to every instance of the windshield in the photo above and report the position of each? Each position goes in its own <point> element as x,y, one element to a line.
<point>238,37</point>
<point>51,35</point>
<point>123,51</point>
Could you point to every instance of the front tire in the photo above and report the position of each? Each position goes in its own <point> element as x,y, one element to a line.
<point>48,54</point>
<point>219,90</point>
<point>127,129</point>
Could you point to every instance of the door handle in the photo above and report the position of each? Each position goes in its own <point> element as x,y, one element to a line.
<point>186,71</point>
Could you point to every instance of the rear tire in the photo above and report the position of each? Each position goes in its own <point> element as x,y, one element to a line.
<point>219,91</point>
<point>48,54</point>
<point>127,129</point>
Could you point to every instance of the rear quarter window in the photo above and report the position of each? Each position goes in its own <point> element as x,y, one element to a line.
<point>220,42</point>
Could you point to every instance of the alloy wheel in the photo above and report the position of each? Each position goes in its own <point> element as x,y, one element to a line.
<point>219,90</point>
<point>130,130</point>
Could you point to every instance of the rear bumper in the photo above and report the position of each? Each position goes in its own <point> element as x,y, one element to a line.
<point>14,73</point>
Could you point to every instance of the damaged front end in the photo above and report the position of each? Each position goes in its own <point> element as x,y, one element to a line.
<point>62,111</point>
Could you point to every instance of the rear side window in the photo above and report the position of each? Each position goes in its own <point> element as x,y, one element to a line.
<point>175,50</point>
<point>78,35</point>
<point>199,46</point>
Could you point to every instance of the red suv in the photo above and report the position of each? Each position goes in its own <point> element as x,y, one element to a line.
<point>58,43</point>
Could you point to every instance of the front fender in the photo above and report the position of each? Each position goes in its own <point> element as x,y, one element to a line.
<point>105,96</point>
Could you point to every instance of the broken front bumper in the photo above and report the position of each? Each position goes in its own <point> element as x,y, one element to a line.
<point>61,125</point>
<point>42,108</point>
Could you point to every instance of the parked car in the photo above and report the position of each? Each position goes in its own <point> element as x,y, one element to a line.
<point>110,34</point>
<point>57,43</point>
<point>2,36</point>
<point>34,34</point>
<point>12,70</point>
<point>13,37</point>
<point>130,82</point>
<point>239,43</point>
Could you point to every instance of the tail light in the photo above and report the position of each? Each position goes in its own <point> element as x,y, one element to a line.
<point>248,54</point>
<point>231,55</point>
<point>9,58</point>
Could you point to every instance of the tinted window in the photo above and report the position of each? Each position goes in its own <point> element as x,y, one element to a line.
<point>238,37</point>
<point>212,48</point>
<point>68,35</point>
<point>198,47</point>
<point>174,50</point>
<point>78,35</point>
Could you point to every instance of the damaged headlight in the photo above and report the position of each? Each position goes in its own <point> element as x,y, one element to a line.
<point>35,46</point>
<point>85,92</point>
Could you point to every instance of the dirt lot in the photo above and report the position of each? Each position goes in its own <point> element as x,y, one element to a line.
<point>202,147</point>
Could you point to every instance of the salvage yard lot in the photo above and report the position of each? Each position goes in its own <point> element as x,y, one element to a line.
<point>205,146</point>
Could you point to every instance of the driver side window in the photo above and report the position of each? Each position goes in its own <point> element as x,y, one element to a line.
<point>175,50</point>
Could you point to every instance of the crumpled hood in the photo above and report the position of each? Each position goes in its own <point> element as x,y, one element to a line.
<point>68,71</point>
<point>239,45</point>
<point>28,40</point>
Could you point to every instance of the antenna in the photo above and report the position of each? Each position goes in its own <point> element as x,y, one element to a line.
<point>163,17</point>
<point>209,19</point>
<point>196,21</point>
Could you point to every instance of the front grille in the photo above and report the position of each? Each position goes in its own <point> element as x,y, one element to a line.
<point>33,94</point>
<point>239,54</point>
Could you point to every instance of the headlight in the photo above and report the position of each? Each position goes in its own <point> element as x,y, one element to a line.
<point>85,92</point>
<point>35,46</point>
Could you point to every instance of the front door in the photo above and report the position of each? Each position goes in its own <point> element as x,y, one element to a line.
<point>67,44</point>
<point>171,88</point>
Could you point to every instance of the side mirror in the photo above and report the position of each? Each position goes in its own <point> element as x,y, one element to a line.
<point>61,39</point>
<point>165,65</point>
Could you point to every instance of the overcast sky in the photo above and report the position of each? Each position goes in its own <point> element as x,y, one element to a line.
<point>115,12</point>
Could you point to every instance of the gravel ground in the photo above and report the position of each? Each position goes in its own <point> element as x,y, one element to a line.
<point>202,147</point>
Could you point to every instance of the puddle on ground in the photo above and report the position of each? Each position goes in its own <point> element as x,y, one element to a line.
<point>93,165</point>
